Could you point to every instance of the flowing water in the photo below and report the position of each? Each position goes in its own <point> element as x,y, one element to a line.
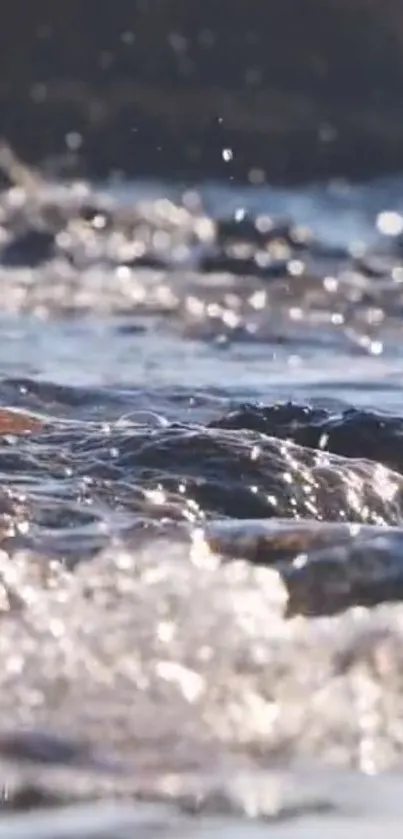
<point>201,509</point>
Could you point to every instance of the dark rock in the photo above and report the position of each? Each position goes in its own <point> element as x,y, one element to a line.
<point>146,260</point>
<point>350,433</point>
<point>31,248</point>
<point>225,263</point>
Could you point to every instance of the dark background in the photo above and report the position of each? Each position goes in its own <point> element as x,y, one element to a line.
<point>298,89</point>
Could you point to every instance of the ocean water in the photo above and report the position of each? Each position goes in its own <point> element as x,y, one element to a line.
<point>201,508</point>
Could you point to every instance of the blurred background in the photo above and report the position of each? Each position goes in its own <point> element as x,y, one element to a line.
<point>296,90</point>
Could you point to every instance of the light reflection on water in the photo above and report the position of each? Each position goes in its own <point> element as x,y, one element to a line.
<point>97,351</point>
<point>338,212</point>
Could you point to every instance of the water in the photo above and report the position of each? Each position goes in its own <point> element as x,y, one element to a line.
<point>201,507</point>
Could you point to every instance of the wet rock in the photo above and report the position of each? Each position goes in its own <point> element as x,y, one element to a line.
<point>351,433</point>
<point>18,422</point>
<point>326,568</point>
<point>91,213</point>
<point>31,248</point>
<point>47,748</point>
<point>225,263</point>
<point>241,227</point>
<point>261,231</point>
<point>147,260</point>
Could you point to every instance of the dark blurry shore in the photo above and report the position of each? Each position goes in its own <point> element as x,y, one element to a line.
<point>296,89</point>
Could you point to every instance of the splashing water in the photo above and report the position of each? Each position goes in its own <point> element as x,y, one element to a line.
<point>201,502</point>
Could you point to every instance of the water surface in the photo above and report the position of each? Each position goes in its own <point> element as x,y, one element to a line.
<point>202,499</point>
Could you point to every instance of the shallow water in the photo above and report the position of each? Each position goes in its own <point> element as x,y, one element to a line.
<point>202,502</point>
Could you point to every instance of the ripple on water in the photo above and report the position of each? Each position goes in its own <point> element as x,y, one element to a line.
<point>198,582</point>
